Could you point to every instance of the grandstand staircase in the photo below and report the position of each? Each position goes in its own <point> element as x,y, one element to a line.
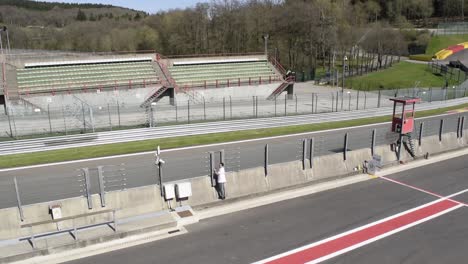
<point>155,96</point>
<point>288,83</point>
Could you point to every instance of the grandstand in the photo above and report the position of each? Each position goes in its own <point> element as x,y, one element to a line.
<point>84,74</point>
<point>220,73</point>
<point>94,78</point>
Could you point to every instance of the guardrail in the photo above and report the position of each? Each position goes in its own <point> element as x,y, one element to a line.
<point>101,138</point>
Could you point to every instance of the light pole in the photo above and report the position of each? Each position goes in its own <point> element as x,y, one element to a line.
<point>265,37</point>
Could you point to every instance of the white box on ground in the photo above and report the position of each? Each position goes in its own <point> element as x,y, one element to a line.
<point>183,190</point>
<point>169,192</point>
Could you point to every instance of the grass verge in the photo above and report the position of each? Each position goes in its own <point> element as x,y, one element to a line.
<point>400,75</point>
<point>438,43</point>
<point>18,160</point>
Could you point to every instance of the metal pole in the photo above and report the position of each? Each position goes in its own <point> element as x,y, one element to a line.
<point>48,115</point>
<point>204,108</point>
<point>266,160</point>
<point>110,119</point>
<point>88,187</point>
<point>118,111</point>
<point>316,103</point>
<point>296,103</point>
<point>312,103</point>
<point>224,108</point>
<point>84,120</point>
<point>374,136</point>
<point>253,106</point>
<point>345,150</point>
<point>64,120</point>
<point>188,111</point>
<point>421,132</point>
<point>102,186</point>
<point>441,129</point>
<point>336,104</point>
<point>349,103</point>
<point>378,103</point>
<point>212,169</point>
<point>285,104</point>
<point>357,101</point>
<point>18,199</point>
<point>462,126</point>
<point>256,106</point>
<point>230,106</point>
<point>333,102</point>
<point>304,153</point>
<point>365,99</point>
<point>160,173</point>
<point>275,105</point>
<point>176,113</point>
<point>311,152</point>
<point>458,126</point>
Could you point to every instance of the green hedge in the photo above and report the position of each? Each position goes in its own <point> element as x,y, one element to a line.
<point>421,57</point>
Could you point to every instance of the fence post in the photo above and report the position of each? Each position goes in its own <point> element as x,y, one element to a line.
<point>109,113</point>
<point>441,128</point>
<point>176,113</point>
<point>333,102</point>
<point>230,107</point>
<point>18,199</point>
<point>84,119</point>
<point>253,106</point>
<point>374,135</point>
<point>266,160</point>
<point>316,103</point>
<point>311,152</point>
<point>48,115</point>
<point>224,108</point>
<point>188,111</point>
<point>462,126</point>
<point>430,95</point>
<point>64,121</point>
<point>276,97</point>
<point>357,101</point>
<point>285,104</point>
<point>160,174</point>
<point>421,131</point>
<point>88,187</point>
<point>212,169</point>
<point>349,102</point>
<point>118,111</point>
<point>312,103</point>
<point>221,156</point>
<point>336,102</point>
<point>378,102</point>
<point>304,153</point>
<point>204,108</point>
<point>365,99</point>
<point>345,150</point>
<point>101,186</point>
<point>296,103</point>
<point>256,106</point>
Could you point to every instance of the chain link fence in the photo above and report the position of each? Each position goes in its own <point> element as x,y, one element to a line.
<point>81,116</point>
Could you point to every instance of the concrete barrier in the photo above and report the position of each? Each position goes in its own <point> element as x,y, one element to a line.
<point>126,203</point>
<point>147,199</point>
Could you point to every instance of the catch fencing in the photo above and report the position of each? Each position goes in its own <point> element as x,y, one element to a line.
<point>82,116</point>
<point>18,190</point>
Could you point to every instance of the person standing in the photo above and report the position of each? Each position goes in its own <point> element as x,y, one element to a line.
<point>221,177</point>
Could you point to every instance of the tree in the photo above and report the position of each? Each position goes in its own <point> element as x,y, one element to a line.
<point>81,16</point>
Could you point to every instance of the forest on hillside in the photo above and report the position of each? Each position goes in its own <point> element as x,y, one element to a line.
<point>303,32</point>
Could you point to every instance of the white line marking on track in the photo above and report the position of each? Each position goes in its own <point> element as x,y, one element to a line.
<point>371,239</point>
